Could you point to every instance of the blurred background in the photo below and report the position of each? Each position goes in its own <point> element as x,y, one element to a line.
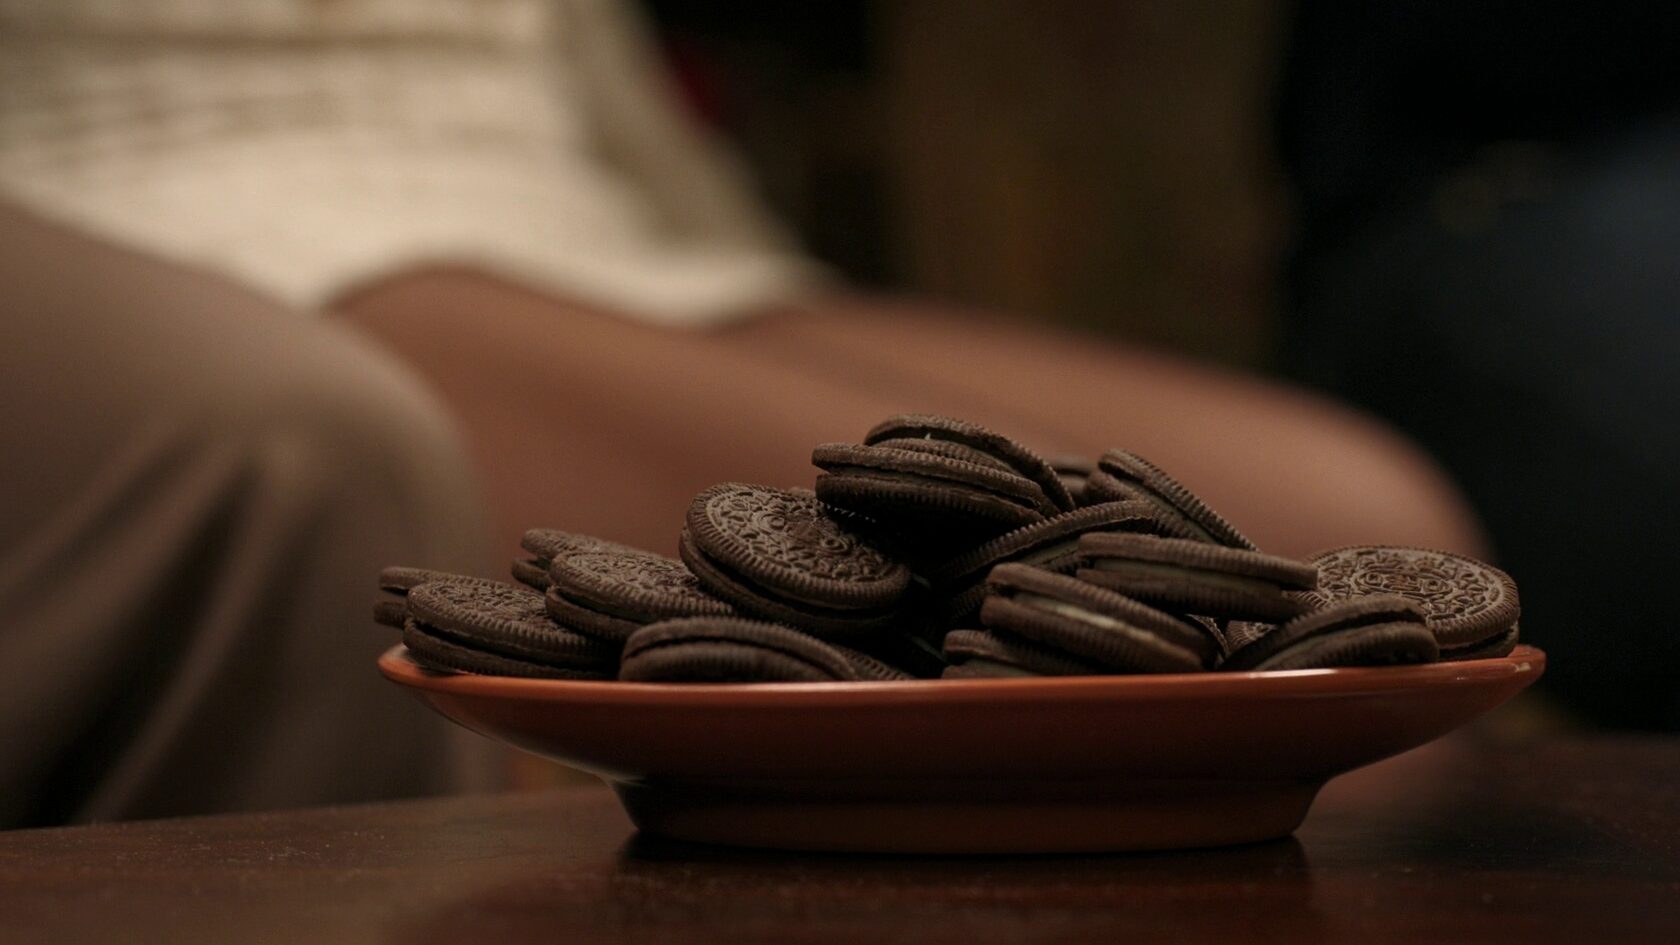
<point>1254,240</point>
<point>1108,167</point>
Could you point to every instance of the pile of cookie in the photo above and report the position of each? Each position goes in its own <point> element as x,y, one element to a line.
<point>938,548</point>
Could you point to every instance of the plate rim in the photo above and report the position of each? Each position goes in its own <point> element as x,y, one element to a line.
<point>397,666</point>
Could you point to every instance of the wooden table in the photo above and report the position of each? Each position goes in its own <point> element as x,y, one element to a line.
<point>1557,841</point>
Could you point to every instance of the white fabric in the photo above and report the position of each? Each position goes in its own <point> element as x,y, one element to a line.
<point>308,147</point>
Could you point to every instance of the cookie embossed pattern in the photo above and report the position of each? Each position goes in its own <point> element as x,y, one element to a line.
<point>1471,606</point>
<point>952,645</point>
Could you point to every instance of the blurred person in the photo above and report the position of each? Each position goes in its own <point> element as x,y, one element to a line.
<point>501,193</point>
<point>1489,216</point>
<point>198,490</point>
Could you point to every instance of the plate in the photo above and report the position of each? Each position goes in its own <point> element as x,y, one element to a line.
<point>1042,765</point>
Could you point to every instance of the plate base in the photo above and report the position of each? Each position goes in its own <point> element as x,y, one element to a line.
<point>1058,764</point>
<point>1021,817</point>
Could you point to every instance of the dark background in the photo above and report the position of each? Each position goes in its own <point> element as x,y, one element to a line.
<point>1098,165</point>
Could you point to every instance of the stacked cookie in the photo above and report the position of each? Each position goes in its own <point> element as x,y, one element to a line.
<point>938,548</point>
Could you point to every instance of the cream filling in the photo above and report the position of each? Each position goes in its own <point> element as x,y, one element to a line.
<point>1081,614</point>
<point>1046,554</point>
<point>1103,621</point>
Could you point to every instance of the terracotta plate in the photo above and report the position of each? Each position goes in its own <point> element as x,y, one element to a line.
<point>1011,765</point>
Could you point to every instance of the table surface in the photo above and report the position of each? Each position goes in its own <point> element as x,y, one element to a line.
<point>1553,841</point>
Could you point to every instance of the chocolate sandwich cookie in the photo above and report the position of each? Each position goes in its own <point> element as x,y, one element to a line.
<point>927,500</point>
<point>548,544</point>
<point>989,654</point>
<point>730,649</point>
<point>1093,624</point>
<point>871,668</point>
<point>1125,475</point>
<point>1466,602</point>
<point>1073,471</point>
<point>529,572</point>
<point>779,555</point>
<point>609,594</point>
<point>1053,545</point>
<point>441,654</point>
<point>400,579</point>
<point>1197,577</point>
<point>947,449</point>
<point>1378,630</point>
<point>919,465</point>
<point>1240,633</point>
<point>1491,648</point>
<point>390,612</point>
<point>397,581</point>
<point>949,429</point>
<point>503,620</point>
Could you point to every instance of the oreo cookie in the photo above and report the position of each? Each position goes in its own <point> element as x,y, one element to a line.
<point>991,654</point>
<point>1376,630</point>
<point>1122,475</point>
<point>390,612</point>
<point>442,654</point>
<point>874,669</point>
<point>1470,606</point>
<point>609,593</point>
<point>397,581</point>
<point>730,649</point>
<point>547,545</point>
<point>1052,545</point>
<point>1239,633</point>
<point>1069,567</point>
<point>1073,471</point>
<point>1093,624</point>
<point>946,449</point>
<point>1491,648</point>
<point>505,622</point>
<point>951,430</point>
<point>777,554</point>
<point>1196,577</point>
<point>530,572</point>
<point>926,503</point>
<point>400,579</point>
